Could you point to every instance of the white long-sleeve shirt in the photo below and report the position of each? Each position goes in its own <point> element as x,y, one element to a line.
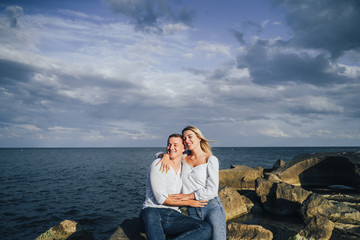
<point>203,179</point>
<point>160,184</point>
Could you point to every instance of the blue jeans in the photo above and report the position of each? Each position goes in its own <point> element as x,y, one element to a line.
<point>214,214</point>
<point>161,221</point>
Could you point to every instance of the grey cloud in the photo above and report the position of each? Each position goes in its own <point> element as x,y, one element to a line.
<point>13,13</point>
<point>269,65</point>
<point>147,14</point>
<point>11,72</point>
<point>331,25</point>
<point>238,35</point>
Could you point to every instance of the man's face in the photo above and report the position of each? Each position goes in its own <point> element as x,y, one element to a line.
<point>175,147</point>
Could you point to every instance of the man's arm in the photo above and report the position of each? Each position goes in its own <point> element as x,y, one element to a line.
<point>157,181</point>
<point>158,186</point>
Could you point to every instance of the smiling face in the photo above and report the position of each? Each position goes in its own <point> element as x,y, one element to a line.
<point>191,140</point>
<point>175,147</point>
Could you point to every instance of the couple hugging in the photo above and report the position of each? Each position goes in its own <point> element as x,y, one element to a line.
<point>189,179</point>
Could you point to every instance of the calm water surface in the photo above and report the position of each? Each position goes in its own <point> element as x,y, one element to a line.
<point>97,187</point>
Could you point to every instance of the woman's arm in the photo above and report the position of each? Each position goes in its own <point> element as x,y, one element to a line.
<point>183,197</point>
<point>212,181</point>
<point>170,201</point>
<point>165,162</point>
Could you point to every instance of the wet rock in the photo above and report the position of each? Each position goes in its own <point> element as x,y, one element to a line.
<point>280,198</point>
<point>317,205</point>
<point>240,177</point>
<point>235,205</point>
<point>67,229</point>
<point>322,169</point>
<point>316,228</point>
<point>237,231</point>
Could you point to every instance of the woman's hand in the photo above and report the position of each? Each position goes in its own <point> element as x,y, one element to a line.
<point>183,197</point>
<point>196,203</point>
<point>165,163</point>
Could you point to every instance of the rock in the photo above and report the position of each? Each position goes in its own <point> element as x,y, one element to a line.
<point>129,229</point>
<point>272,177</point>
<point>237,231</point>
<point>67,229</point>
<point>350,230</point>
<point>317,205</point>
<point>235,205</point>
<point>322,169</point>
<point>278,163</point>
<point>280,198</point>
<point>240,177</point>
<point>316,228</point>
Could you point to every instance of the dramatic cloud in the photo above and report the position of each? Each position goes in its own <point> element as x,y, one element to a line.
<point>75,78</point>
<point>330,25</point>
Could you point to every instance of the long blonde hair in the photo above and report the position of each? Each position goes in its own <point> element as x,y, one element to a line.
<point>204,143</point>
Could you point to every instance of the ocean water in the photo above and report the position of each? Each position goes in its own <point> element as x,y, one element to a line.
<point>97,187</point>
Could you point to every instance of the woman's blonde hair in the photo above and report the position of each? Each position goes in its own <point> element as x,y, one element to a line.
<point>204,143</point>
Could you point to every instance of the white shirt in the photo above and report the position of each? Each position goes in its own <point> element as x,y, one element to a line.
<point>160,184</point>
<point>203,179</point>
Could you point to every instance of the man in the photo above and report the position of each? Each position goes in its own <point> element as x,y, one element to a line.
<point>160,213</point>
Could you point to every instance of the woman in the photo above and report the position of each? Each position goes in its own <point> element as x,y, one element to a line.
<point>200,179</point>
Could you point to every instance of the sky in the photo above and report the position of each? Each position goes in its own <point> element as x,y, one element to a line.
<point>121,73</point>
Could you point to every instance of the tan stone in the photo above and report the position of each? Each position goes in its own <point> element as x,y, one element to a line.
<point>322,169</point>
<point>235,205</point>
<point>237,231</point>
<point>240,177</point>
<point>280,198</point>
<point>65,230</point>
<point>317,205</point>
<point>316,228</point>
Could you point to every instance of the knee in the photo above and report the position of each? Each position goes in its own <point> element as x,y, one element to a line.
<point>149,214</point>
<point>207,229</point>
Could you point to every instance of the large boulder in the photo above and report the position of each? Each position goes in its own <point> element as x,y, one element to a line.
<point>316,228</point>
<point>66,230</point>
<point>280,198</point>
<point>237,231</point>
<point>317,205</point>
<point>235,205</point>
<point>322,169</point>
<point>240,177</point>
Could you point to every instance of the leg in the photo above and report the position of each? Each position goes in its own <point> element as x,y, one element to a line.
<point>186,227</point>
<point>215,216</point>
<point>152,220</point>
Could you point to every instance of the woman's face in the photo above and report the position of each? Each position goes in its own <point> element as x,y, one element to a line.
<point>191,141</point>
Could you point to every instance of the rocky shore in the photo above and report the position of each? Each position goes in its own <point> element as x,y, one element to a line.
<point>314,196</point>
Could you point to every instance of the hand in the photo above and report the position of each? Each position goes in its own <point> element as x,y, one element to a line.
<point>165,163</point>
<point>196,203</point>
<point>183,197</point>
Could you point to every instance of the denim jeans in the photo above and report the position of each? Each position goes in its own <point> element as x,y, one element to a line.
<point>214,214</point>
<point>159,222</point>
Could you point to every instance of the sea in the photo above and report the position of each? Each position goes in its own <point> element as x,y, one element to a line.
<point>97,187</point>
